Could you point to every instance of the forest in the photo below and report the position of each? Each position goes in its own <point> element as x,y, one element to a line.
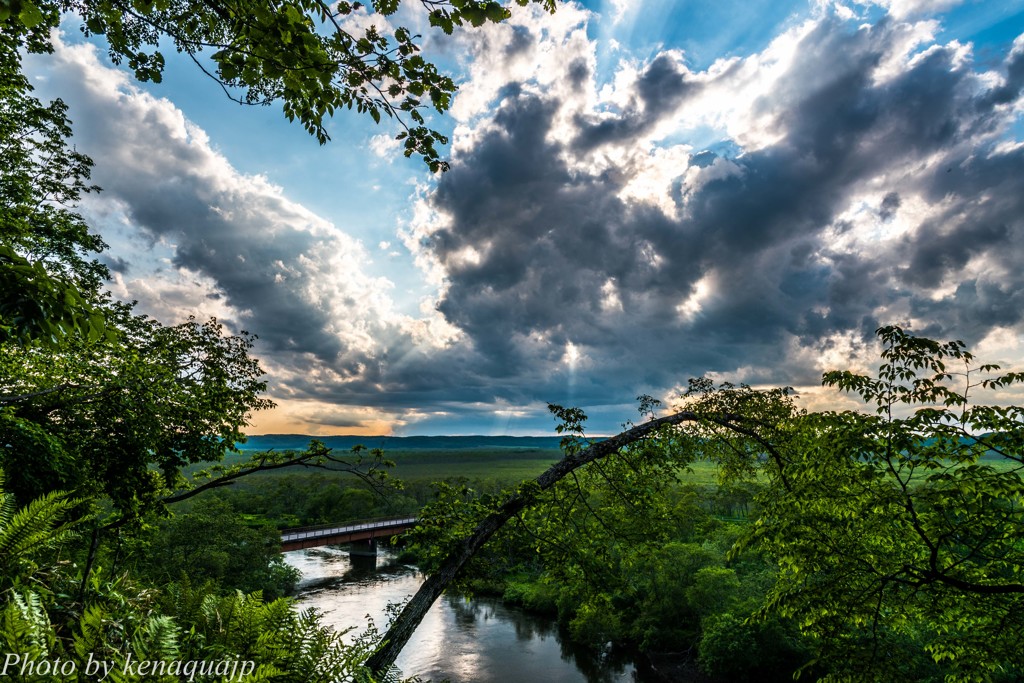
<point>736,532</point>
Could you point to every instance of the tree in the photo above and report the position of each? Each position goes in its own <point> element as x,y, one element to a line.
<point>905,524</point>
<point>49,279</point>
<point>307,54</point>
<point>123,417</point>
<point>211,542</point>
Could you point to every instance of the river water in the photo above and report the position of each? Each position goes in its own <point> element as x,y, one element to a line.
<point>477,641</point>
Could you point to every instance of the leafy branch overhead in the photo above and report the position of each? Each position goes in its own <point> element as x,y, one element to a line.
<point>369,465</point>
<point>313,56</point>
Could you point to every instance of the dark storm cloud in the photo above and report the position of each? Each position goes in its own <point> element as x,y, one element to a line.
<point>974,307</point>
<point>116,264</point>
<point>660,89</point>
<point>848,130</point>
<point>976,246</point>
<point>241,255</point>
<point>451,380</point>
<point>549,242</point>
<point>939,253</point>
<point>1011,87</point>
<point>548,239</point>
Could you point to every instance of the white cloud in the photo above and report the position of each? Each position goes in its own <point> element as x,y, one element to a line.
<point>384,145</point>
<point>621,7</point>
<point>903,9</point>
<point>534,47</point>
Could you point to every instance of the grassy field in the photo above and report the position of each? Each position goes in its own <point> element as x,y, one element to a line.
<point>503,465</point>
<point>300,497</point>
<point>506,465</point>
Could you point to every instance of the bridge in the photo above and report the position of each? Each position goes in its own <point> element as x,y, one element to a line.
<point>330,534</point>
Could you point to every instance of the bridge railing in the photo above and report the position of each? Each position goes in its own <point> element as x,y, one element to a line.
<point>299,533</point>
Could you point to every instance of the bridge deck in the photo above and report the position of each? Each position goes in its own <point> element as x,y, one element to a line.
<point>309,537</point>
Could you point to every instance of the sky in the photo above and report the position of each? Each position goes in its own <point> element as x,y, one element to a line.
<point>641,192</point>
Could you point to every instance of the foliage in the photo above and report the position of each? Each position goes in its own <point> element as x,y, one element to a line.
<point>313,56</point>
<point>456,510</point>
<point>737,649</point>
<point>123,624</point>
<point>287,645</point>
<point>266,641</point>
<point>41,307</point>
<point>123,417</point>
<point>905,525</point>
<point>47,278</point>
<point>28,532</point>
<point>211,542</point>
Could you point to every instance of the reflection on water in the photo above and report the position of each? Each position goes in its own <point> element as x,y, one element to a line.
<point>465,641</point>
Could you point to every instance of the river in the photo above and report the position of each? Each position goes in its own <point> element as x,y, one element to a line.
<point>477,641</point>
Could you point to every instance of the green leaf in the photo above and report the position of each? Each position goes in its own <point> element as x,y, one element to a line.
<point>30,15</point>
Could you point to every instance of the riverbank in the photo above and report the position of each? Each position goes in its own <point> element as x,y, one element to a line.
<point>483,640</point>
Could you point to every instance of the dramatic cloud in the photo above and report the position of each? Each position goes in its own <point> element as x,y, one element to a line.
<point>285,271</point>
<point>879,189</point>
<point>193,235</point>
<point>602,233</point>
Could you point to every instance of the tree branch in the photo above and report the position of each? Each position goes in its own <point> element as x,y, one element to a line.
<point>5,400</point>
<point>314,454</point>
<point>412,614</point>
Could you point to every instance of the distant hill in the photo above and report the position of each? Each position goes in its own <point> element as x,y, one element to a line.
<point>298,442</point>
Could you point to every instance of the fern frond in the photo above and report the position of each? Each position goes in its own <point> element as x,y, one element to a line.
<point>37,623</point>
<point>38,526</point>
<point>20,631</point>
<point>91,636</point>
<point>157,639</point>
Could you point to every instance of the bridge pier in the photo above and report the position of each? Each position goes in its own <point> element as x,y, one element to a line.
<point>366,548</point>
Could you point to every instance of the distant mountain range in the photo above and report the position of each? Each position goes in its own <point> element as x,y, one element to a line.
<point>297,442</point>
